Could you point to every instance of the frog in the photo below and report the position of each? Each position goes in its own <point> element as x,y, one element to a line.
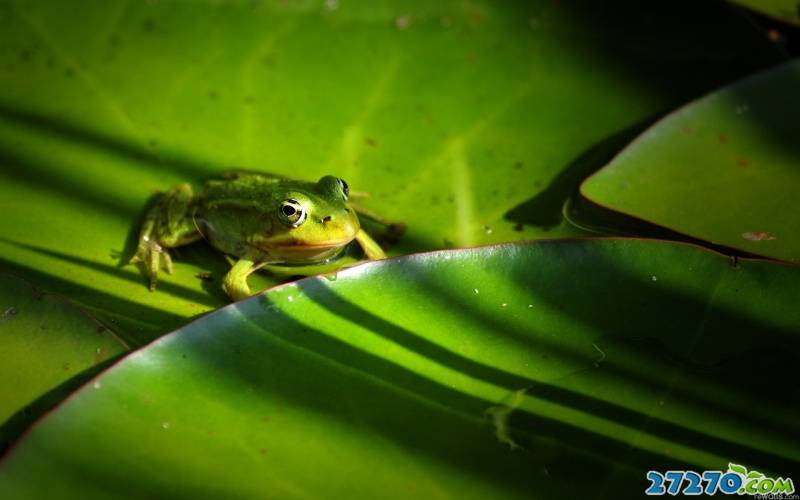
<point>263,221</point>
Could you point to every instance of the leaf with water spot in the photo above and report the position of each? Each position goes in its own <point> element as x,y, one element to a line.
<point>723,169</point>
<point>398,381</point>
<point>448,113</point>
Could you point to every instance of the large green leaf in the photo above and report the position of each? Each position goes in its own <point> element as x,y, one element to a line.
<point>725,169</point>
<point>450,113</point>
<point>45,341</point>
<point>783,10</point>
<point>554,369</point>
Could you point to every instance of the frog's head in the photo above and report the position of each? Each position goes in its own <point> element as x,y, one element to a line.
<point>313,221</point>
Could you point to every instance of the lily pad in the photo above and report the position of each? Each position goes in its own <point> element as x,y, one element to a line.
<point>45,341</point>
<point>545,370</point>
<point>787,11</point>
<point>724,169</point>
<point>449,113</point>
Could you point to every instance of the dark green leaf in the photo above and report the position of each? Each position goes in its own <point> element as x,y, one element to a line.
<point>548,370</point>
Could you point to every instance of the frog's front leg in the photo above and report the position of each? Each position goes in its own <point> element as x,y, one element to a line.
<point>235,282</point>
<point>394,230</point>
<point>372,250</point>
<point>168,224</point>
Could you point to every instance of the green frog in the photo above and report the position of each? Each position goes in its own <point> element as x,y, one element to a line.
<point>264,221</point>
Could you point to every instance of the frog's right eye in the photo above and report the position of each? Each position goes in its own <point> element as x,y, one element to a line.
<point>344,187</point>
<point>292,213</point>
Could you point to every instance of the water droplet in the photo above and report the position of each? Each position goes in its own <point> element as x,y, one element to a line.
<point>758,236</point>
<point>654,278</point>
<point>332,277</point>
<point>475,290</point>
<point>503,304</point>
<point>530,306</point>
<point>331,4</point>
<point>402,22</point>
<point>165,425</point>
<point>488,230</point>
<point>290,298</point>
<point>11,311</point>
<point>97,384</point>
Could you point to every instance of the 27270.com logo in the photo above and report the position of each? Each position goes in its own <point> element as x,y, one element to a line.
<point>737,480</point>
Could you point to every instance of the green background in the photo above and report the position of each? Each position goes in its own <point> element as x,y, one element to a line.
<point>472,122</point>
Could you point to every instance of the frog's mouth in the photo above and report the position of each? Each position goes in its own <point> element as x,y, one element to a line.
<point>316,246</point>
<point>304,252</point>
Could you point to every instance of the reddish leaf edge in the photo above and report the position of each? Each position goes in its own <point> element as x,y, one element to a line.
<point>581,189</point>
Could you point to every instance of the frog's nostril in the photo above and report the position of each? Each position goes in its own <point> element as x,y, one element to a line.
<point>327,218</point>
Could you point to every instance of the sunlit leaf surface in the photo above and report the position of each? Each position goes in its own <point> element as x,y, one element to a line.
<point>725,169</point>
<point>547,370</point>
<point>451,114</point>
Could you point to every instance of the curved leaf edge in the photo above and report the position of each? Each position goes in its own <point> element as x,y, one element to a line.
<point>357,269</point>
<point>750,9</point>
<point>697,239</point>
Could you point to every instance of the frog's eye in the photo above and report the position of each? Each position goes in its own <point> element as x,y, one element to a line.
<point>292,213</point>
<point>345,188</point>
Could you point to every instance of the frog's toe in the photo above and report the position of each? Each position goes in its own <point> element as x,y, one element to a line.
<point>166,260</point>
<point>396,230</point>
<point>155,258</point>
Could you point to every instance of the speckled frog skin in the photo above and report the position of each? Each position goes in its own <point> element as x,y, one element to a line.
<point>259,219</point>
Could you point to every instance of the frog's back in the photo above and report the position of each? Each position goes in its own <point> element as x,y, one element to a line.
<point>242,188</point>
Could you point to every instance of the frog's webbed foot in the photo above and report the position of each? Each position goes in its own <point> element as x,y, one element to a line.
<point>155,258</point>
<point>168,224</point>
<point>394,232</point>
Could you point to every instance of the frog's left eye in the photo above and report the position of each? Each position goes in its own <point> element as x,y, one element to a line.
<point>345,188</point>
<point>292,213</point>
